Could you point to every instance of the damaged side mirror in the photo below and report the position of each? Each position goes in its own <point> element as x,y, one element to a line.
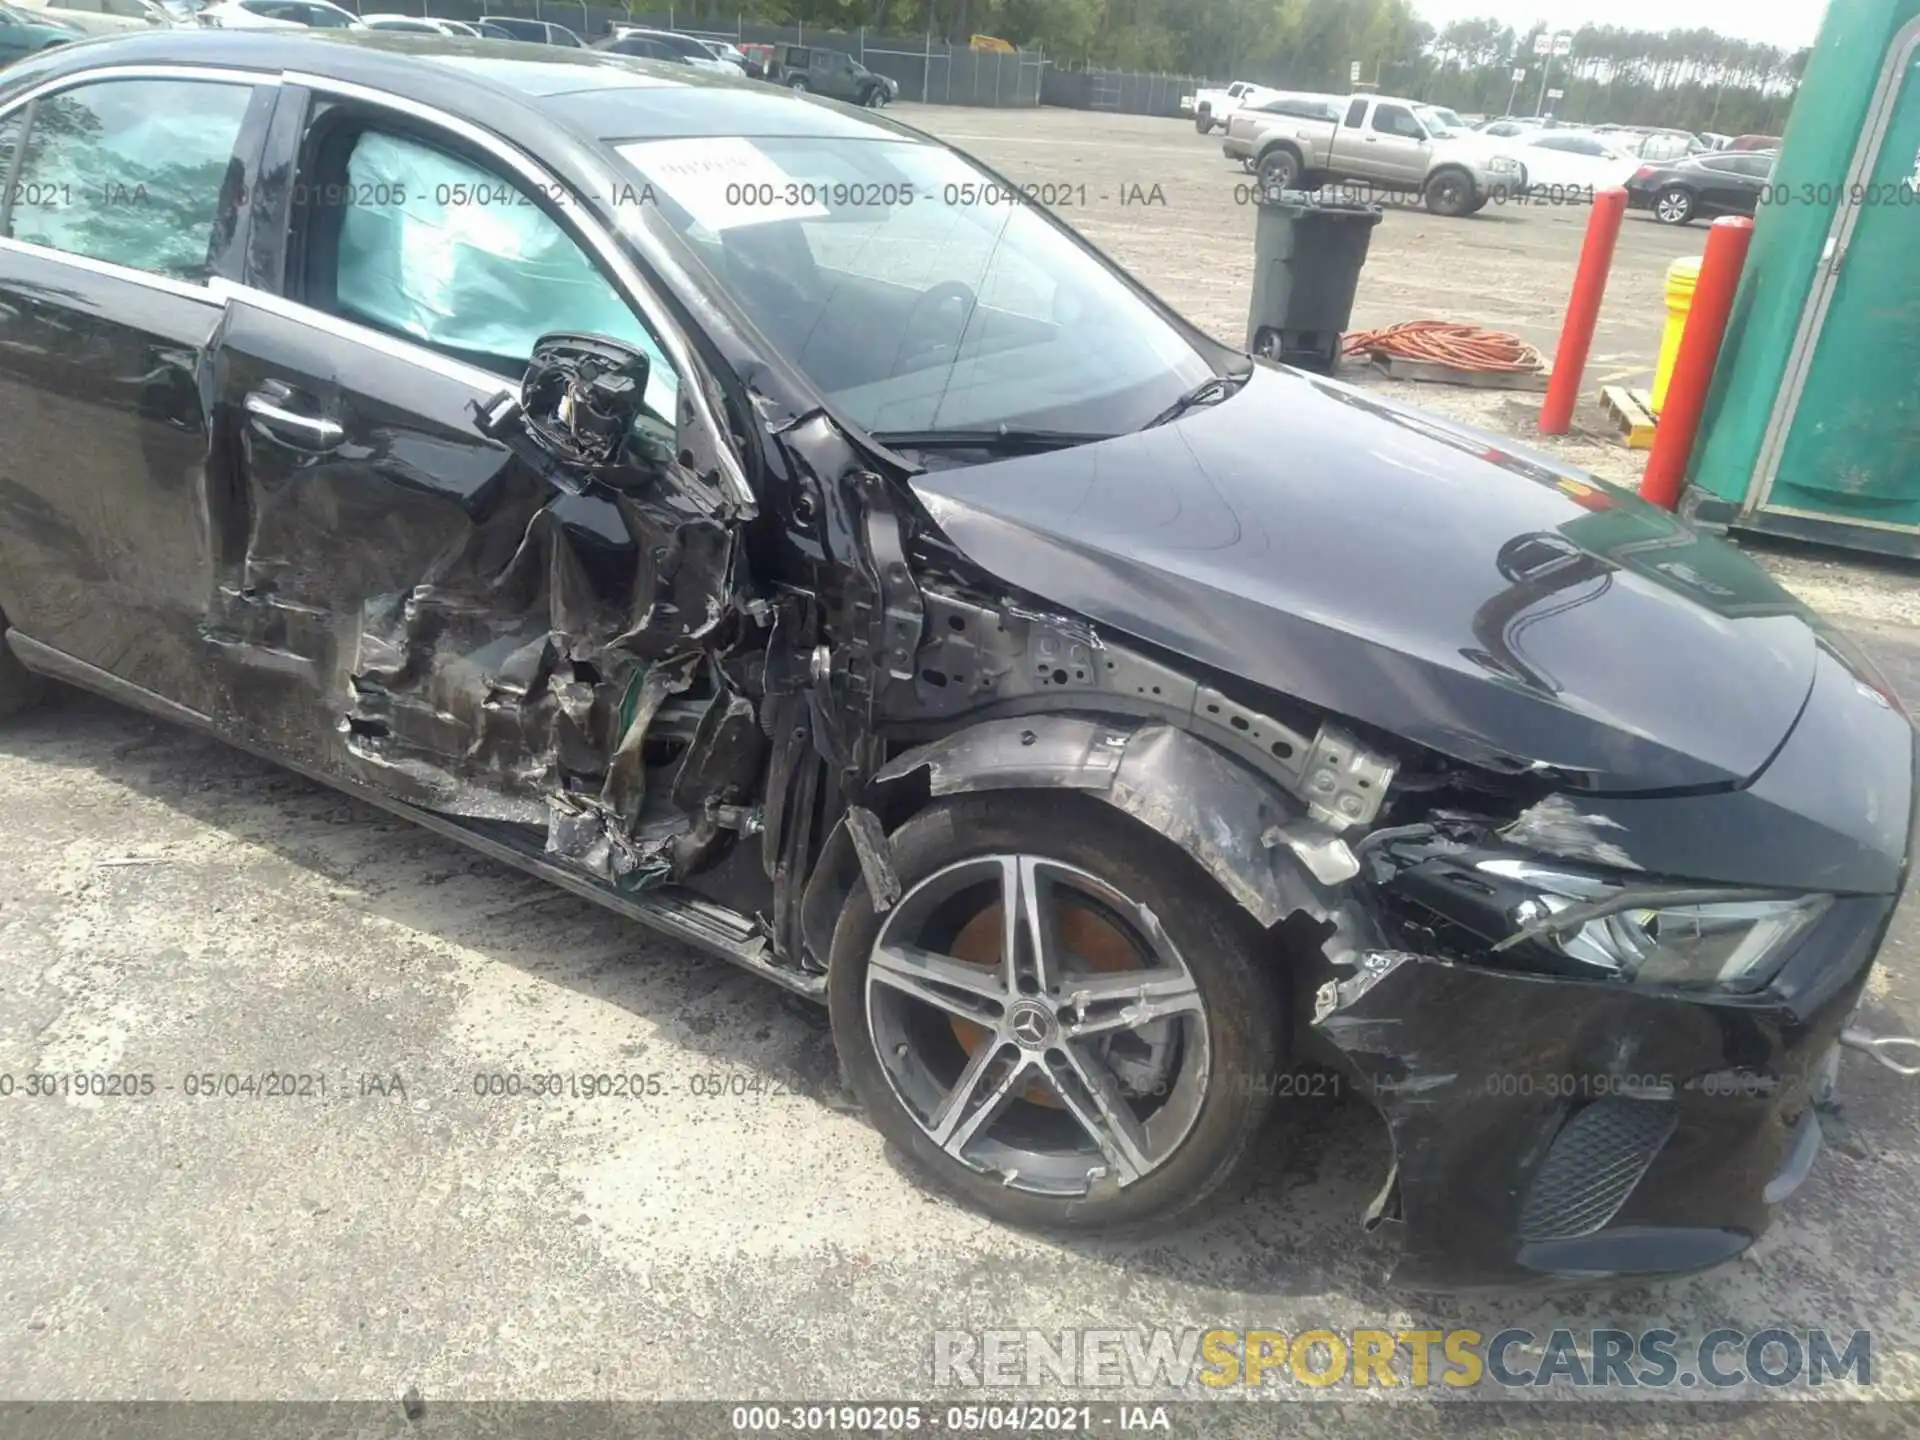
<point>581,416</point>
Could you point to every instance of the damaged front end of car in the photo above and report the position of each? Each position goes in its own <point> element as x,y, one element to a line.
<point>1596,1053</point>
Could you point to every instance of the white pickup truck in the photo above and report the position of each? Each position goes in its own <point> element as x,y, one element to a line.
<point>1212,107</point>
<point>1386,143</point>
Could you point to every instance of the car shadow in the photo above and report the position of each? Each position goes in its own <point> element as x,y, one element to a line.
<point>1296,1234</point>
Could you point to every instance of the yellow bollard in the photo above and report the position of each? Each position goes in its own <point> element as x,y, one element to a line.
<point>1682,276</point>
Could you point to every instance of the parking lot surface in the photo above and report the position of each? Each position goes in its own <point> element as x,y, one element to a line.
<point>406,1212</point>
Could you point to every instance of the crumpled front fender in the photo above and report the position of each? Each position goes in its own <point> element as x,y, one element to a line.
<point>1240,828</point>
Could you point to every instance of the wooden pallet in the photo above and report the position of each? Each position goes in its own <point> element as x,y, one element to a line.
<point>1632,414</point>
<point>1393,367</point>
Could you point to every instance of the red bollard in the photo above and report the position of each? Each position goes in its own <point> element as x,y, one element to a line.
<point>1583,308</point>
<point>1727,242</point>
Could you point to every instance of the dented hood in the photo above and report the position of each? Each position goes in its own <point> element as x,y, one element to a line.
<point>1435,581</point>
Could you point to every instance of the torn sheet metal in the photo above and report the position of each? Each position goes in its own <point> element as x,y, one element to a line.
<point>1203,801</point>
<point>1021,658</point>
<point>1555,826</point>
<point>451,625</point>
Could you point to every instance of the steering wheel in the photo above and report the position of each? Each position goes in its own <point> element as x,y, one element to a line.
<point>928,303</point>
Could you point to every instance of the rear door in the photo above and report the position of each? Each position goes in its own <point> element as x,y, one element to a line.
<point>126,201</point>
<point>1353,144</point>
<point>413,604</point>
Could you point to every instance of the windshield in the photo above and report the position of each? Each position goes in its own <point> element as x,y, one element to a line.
<point>915,292</point>
<point>1440,121</point>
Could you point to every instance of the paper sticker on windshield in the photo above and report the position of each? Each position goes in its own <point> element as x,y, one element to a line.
<point>725,182</point>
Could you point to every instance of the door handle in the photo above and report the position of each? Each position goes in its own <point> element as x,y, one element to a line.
<point>304,432</point>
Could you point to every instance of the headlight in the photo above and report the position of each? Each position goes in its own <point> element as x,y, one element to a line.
<point>1727,938</point>
<point>1503,164</point>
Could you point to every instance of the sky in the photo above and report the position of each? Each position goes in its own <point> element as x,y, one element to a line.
<point>1786,23</point>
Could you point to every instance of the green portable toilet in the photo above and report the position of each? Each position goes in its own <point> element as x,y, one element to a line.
<point>1812,427</point>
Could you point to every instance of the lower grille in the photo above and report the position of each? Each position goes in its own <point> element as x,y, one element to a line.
<point>1593,1165</point>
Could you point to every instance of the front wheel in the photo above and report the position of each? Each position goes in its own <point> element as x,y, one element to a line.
<point>1450,193</point>
<point>1063,1021</point>
<point>798,85</point>
<point>875,98</point>
<point>1203,121</point>
<point>1673,205</point>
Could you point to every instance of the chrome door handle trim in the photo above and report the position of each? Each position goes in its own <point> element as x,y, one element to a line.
<point>315,430</point>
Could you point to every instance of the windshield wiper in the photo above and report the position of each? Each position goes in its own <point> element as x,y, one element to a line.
<point>1209,391</point>
<point>1005,440</point>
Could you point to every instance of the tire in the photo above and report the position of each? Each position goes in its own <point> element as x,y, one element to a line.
<point>1210,1105</point>
<point>1278,170</point>
<point>1450,192</point>
<point>799,85</point>
<point>874,99</point>
<point>1674,205</point>
<point>1203,120</point>
<point>1266,344</point>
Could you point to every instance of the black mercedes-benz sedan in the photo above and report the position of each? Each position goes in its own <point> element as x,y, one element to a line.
<point>756,516</point>
<point>1718,183</point>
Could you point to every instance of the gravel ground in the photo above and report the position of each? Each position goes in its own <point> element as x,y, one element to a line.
<point>180,910</point>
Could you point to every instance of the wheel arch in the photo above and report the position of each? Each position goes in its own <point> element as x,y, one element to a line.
<point>1235,824</point>
<point>1281,143</point>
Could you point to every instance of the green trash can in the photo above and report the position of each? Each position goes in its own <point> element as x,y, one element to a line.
<point>1307,255</point>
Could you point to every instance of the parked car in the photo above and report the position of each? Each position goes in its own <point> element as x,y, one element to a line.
<point>899,601</point>
<point>278,15</point>
<point>1569,163</point>
<point>832,73</point>
<point>105,17</point>
<point>420,25</point>
<point>535,32</point>
<point>27,32</point>
<point>726,50</point>
<point>664,45</point>
<point>1391,143</point>
<point>1216,107</point>
<point>1721,182</point>
<point>756,59</point>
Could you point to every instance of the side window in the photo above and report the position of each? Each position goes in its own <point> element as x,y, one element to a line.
<point>1357,113</point>
<point>1397,120</point>
<point>444,253</point>
<point>325,17</point>
<point>129,171</point>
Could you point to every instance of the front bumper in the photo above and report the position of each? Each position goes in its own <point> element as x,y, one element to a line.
<point>1237,147</point>
<point>1549,1128</point>
<point>1697,1111</point>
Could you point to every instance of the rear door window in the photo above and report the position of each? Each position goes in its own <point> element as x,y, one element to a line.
<point>129,171</point>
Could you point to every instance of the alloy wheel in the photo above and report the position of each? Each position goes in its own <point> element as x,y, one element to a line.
<point>1674,207</point>
<point>1038,1024</point>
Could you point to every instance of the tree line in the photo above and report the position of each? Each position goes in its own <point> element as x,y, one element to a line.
<point>1691,79</point>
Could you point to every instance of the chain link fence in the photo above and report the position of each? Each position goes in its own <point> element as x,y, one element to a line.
<point>926,69</point>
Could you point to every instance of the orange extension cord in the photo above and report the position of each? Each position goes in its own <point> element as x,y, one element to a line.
<point>1464,347</point>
